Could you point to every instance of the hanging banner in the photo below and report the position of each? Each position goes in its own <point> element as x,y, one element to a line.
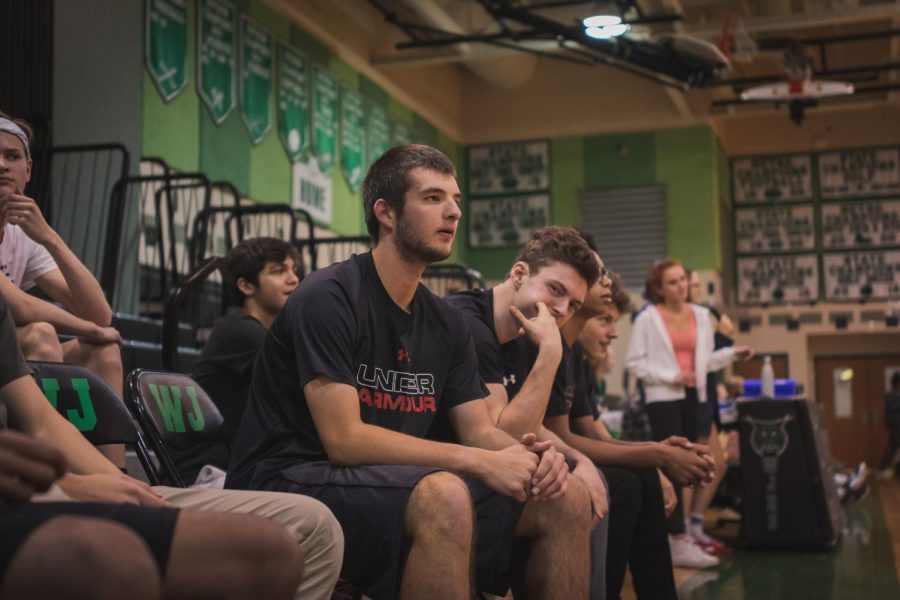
<point>774,229</point>
<point>507,168</point>
<point>256,79</point>
<point>353,133</point>
<point>378,133</point>
<point>324,125</point>
<point>772,179</point>
<point>216,56</point>
<point>859,172</point>
<point>860,224</point>
<point>311,190</point>
<point>165,45</point>
<point>778,279</point>
<point>401,135</point>
<point>862,275</point>
<point>293,102</point>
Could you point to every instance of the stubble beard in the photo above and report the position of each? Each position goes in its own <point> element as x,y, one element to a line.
<point>412,244</point>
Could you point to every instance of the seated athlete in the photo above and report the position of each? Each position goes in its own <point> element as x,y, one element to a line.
<point>545,286</point>
<point>92,478</point>
<point>32,253</point>
<point>258,276</point>
<point>106,546</point>
<point>348,382</point>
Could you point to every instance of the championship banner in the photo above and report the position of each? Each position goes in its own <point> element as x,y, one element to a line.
<point>775,229</point>
<point>324,124</point>
<point>860,172</point>
<point>861,224</point>
<point>216,56</point>
<point>293,101</point>
<point>859,276</point>
<point>778,279</point>
<point>311,190</point>
<point>772,179</point>
<point>401,135</point>
<point>352,137</point>
<point>165,45</point>
<point>504,221</point>
<point>507,168</point>
<point>378,133</point>
<point>256,79</point>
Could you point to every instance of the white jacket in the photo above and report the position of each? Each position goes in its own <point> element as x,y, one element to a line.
<point>651,358</point>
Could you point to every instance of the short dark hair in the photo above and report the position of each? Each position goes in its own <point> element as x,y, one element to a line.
<point>654,282</point>
<point>388,178</point>
<point>563,245</point>
<point>248,259</point>
<point>620,297</point>
<point>588,239</point>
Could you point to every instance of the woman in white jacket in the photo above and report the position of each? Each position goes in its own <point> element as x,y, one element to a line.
<point>670,352</point>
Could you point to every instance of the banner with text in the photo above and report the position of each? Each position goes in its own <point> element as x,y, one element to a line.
<point>165,45</point>
<point>506,220</point>
<point>324,128</point>
<point>775,229</point>
<point>256,79</point>
<point>353,137</point>
<point>772,179</point>
<point>778,279</point>
<point>293,101</point>
<point>509,168</point>
<point>216,56</point>
<point>861,224</point>
<point>311,190</point>
<point>862,275</point>
<point>859,172</point>
<point>378,133</point>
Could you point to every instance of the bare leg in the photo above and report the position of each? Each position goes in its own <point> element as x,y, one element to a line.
<point>703,496</point>
<point>440,522</point>
<point>559,564</point>
<point>106,361</point>
<point>231,556</point>
<point>82,557</point>
<point>38,341</point>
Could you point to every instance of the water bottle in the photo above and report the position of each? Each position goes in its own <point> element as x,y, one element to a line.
<point>767,379</point>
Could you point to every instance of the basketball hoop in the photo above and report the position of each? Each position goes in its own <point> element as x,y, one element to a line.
<point>735,41</point>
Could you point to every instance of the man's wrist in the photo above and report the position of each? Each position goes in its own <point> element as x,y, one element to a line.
<point>52,242</point>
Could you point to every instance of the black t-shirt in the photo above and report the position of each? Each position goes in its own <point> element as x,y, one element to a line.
<point>509,363</point>
<point>341,323</point>
<point>12,365</point>
<point>226,362</point>
<point>583,401</point>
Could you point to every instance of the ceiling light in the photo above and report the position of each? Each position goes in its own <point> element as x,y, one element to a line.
<point>606,32</point>
<point>601,21</point>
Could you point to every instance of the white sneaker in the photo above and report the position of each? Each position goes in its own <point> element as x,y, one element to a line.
<point>685,553</point>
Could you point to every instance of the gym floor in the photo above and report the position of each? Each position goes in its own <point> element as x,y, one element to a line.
<point>865,563</point>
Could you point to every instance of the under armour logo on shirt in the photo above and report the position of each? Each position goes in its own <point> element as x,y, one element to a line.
<point>508,381</point>
<point>403,356</point>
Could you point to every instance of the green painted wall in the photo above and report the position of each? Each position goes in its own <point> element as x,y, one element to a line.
<point>183,133</point>
<point>687,161</point>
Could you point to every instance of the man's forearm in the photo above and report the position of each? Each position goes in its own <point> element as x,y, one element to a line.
<point>85,298</point>
<point>618,453</point>
<point>31,309</point>
<point>81,456</point>
<point>525,412</point>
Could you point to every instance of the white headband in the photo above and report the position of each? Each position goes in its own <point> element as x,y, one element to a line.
<point>10,127</point>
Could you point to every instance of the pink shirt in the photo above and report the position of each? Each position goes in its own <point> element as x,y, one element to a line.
<point>683,342</point>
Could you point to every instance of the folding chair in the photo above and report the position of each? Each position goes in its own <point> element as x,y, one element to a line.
<point>176,416</point>
<point>87,402</point>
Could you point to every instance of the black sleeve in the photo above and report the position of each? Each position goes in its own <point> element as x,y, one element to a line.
<point>12,365</point>
<point>487,349</point>
<point>583,404</point>
<point>464,383</point>
<point>563,386</point>
<point>237,344</point>
<point>323,322</point>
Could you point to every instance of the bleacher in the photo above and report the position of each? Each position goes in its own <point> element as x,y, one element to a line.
<point>154,239</point>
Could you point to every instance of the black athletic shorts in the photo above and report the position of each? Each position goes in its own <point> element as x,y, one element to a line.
<point>370,504</point>
<point>155,525</point>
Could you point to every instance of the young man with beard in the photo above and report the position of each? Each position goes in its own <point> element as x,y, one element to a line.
<point>545,286</point>
<point>346,386</point>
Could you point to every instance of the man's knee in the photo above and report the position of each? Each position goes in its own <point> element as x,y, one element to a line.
<point>269,557</point>
<point>90,558</point>
<point>39,341</point>
<point>103,358</point>
<point>440,504</point>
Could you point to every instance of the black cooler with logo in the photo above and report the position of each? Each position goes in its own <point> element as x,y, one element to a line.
<point>789,498</point>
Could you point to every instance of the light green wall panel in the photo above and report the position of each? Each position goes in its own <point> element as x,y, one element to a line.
<point>270,171</point>
<point>686,165</point>
<point>566,178</point>
<point>619,161</point>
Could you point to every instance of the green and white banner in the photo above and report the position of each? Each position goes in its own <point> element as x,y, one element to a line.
<point>353,135</point>
<point>378,133</point>
<point>401,135</point>
<point>256,79</point>
<point>311,190</point>
<point>165,45</point>
<point>216,56</point>
<point>293,101</point>
<point>324,131</point>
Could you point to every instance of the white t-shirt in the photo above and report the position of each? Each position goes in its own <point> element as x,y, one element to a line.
<point>22,259</point>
